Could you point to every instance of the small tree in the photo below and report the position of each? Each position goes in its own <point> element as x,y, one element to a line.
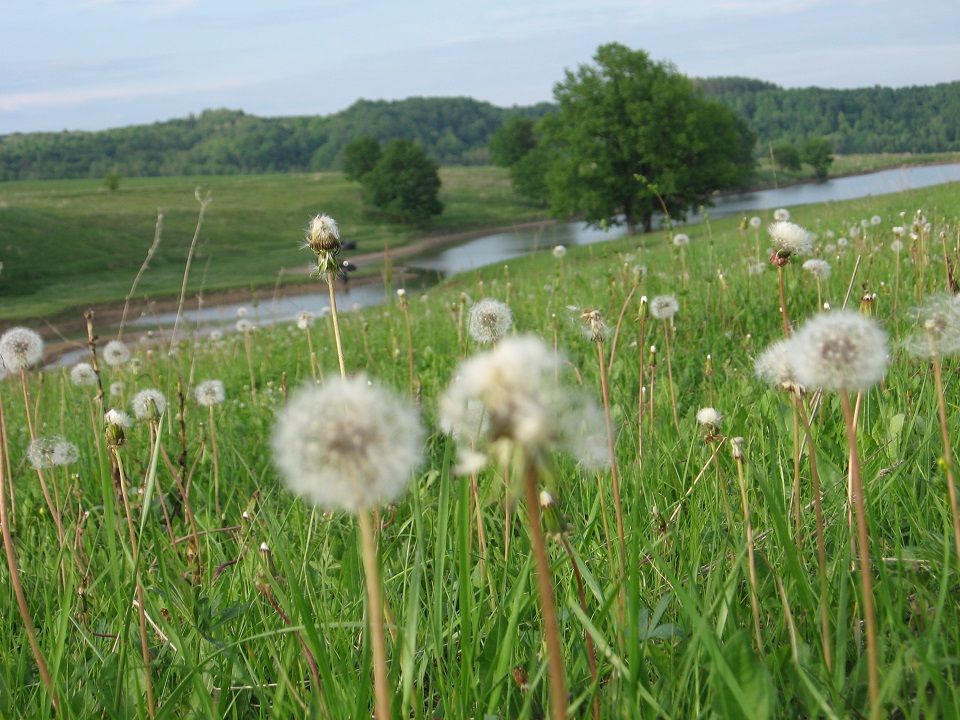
<point>818,153</point>
<point>786,156</point>
<point>360,157</point>
<point>404,183</point>
<point>112,181</point>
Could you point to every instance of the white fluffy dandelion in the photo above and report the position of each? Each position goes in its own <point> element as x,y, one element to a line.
<point>781,215</point>
<point>489,321</point>
<point>664,307</point>
<point>681,240</point>
<point>709,417</point>
<point>244,325</point>
<point>210,393</point>
<point>775,366</point>
<point>83,374</point>
<point>788,239</point>
<point>305,320</point>
<point>524,409</point>
<point>20,348</point>
<point>323,235</point>
<point>939,331</point>
<point>149,404</point>
<point>51,451</point>
<point>840,350</point>
<point>348,445</point>
<point>559,251</point>
<point>755,222</point>
<point>820,269</point>
<point>116,353</point>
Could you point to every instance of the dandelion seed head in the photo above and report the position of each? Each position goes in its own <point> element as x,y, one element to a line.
<point>242,312</point>
<point>244,325</point>
<point>820,269</point>
<point>20,348</point>
<point>116,388</point>
<point>149,404</point>
<point>489,320</point>
<point>51,451</point>
<point>117,417</point>
<point>664,307</point>
<point>116,353</point>
<point>939,331</point>
<point>681,240</point>
<point>789,239</point>
<point>83,374</point>
<point>323,236</point>
<point>559,251</point>
<point>305,320</point>
<point>216,336</point>
<point>523,406</point>
<point>348,445</point>
<point>210,393</point>
<point>755,222</point>
<point>781,215</point>
<point>876,220</point>
<point>709,417</point>
<point>594,328</point>
<point>897,246</point>
<point>775,366</point>
<point>840,350</point>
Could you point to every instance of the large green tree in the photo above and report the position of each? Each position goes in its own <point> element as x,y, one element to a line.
<point>404,183</point>
<point>360,157</point>
<point>629,132</point>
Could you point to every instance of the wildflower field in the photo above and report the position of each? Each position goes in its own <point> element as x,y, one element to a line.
<point>686,474</point>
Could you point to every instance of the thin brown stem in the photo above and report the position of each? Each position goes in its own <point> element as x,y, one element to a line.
<point>375,601</point>
<point>863,548</point>
<point>948,454</point>
<point>551,633</point>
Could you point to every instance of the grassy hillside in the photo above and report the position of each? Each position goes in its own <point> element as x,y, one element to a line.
<point>711,601</point>
<point>66,244</point>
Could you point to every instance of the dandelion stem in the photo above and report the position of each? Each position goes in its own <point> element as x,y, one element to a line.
<point>948,453</point>
<point>752,565</point>
<point>336,326</point>
<point>863,549</point>
<point>374,599</point>
<point>673,397</point>
<point>558,689</point>
<point>821,545</point>
<point>13,566</point>
<point>614,473</point>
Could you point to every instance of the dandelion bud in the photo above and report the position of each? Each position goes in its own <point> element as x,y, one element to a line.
<point>115,424</point>
<point>868,304</point>
<point>736,447</point>
<point>653,356</point>
<point>554,524</point>
<point>709,369</point>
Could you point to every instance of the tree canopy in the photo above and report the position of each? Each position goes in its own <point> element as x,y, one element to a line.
<point>404,183</point>
<point>630,133</point>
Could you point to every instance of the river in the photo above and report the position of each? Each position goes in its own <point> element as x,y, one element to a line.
<point>503,247</point>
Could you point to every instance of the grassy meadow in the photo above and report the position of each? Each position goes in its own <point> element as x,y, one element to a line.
<point>68,244</point>
<point>259,610</point>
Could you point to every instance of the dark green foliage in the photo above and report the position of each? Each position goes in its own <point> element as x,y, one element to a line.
<point>818,154</point>
<point>629,130</point>
<point>360,157</point>
<point>863,120</point>
<point>528,175</point>
<point>453,131</point>
<point>404,183</point>
<point>512,141</point>
<point>786,155</point>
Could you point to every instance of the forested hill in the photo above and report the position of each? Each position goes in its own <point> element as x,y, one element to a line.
<point>456,131</point>
<point>865,120</point>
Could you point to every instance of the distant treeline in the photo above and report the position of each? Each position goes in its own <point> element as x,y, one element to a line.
<point>452,131</point>
<point>456,131</point>
<point>918,119</point>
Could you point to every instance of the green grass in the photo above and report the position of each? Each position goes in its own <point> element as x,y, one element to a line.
<point>462,630</point>
<point>68,244</point>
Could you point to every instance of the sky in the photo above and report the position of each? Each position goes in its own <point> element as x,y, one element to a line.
<point>95,64</point>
